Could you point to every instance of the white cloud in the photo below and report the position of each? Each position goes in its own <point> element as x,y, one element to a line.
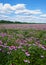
<point>26,11</point>
<point>5,9</point>
<point>19,12</point>
<point>17,9</point>
<point>43,15</point>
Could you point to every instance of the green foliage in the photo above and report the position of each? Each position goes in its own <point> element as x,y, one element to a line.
<point>17,38</point>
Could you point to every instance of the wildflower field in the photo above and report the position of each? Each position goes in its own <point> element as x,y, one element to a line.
<point>22,47</point>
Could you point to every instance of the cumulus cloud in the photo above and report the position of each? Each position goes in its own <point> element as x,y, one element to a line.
<point>6,9</point>
<point>17,9</point>
<point>19,12</point>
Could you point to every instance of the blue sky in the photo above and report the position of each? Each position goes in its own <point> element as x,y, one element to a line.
<point>23,10</point>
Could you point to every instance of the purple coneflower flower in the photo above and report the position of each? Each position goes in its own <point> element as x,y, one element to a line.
<point>12,48</point>
<point>27,53</point>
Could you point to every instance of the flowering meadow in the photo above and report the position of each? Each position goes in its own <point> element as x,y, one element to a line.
<point>22,47</point>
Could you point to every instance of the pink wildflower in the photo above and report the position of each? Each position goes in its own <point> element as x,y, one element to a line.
<point>3,34</point>
<point>27,53</point>
<point>19,47</point>
<point>12,48</point>
<point>43,48</point>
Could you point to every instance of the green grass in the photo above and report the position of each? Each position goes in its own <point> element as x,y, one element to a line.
<point>24,41</point>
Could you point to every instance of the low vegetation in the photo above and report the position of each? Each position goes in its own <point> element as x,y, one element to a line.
<point>22,47</point>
